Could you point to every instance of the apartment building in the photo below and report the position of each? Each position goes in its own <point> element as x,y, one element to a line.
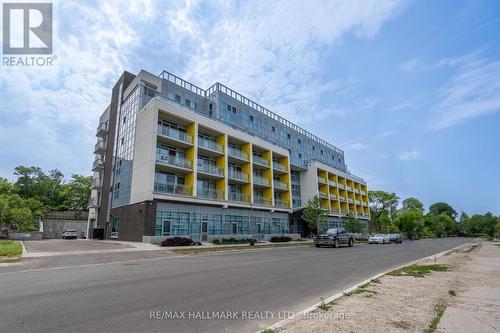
<point>173,159</point>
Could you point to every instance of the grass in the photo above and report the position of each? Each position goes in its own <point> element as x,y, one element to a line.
<point>200,250</point>
<point>364,289</point>
<point>419,270</point>
<point>323,306</point>
<point>452,292</point>
<point>267,330</point>
<point>438,313</point>
<point>9,248</point>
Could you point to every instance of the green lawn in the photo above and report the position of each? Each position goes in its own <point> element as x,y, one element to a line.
<point>419,270</point>
<point>10,248</point>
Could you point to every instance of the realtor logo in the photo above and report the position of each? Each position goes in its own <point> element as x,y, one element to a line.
<point>27,28</point>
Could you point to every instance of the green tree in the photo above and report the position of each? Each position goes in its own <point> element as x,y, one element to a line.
<point>383,206</point>
<point>351,224</point>
<point>411,223</point>
<point>441,225</point>
<point>5,186</point>
<point>442,207</point>
<point>314,215</point>
<point>497,229</point>
<point>77,192</point>
<point>412,204</point>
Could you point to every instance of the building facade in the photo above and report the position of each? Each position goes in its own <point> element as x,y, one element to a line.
<point>173,159</point>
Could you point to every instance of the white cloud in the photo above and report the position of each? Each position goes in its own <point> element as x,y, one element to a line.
<point>386,134</point>
<point>412,65</point>
<point>409,155</point>
<point>472,92</point>
<point>400,106</point>
<point>357,146</point>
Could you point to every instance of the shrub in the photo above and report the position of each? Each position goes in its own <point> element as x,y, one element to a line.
<point>280,239</point>
<point>231,240</point>
<point>177,241</point>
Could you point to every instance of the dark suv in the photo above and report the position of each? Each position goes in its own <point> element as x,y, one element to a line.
<point>334,237</point>
<point>395,238</point>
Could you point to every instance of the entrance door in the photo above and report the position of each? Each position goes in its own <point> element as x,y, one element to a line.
<point>204,230</point>
<point>115,223</point>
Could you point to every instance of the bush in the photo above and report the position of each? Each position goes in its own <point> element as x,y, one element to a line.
<point>177,241</point>
<point>280,239</point>
<point>231,240</point>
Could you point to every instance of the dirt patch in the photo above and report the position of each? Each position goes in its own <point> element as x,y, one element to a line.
<point>393,303</point>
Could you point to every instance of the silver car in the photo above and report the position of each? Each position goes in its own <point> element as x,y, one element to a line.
<point>69,234</point>
<point>378,239</point>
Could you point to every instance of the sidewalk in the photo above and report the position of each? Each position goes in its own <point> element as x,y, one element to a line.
<point>477,305</point>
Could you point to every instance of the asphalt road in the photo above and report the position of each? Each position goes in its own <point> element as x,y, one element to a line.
<point>119,297</point>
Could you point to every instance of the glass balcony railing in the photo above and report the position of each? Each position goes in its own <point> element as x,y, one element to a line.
<point>93,203</point>
<point>342,199</point>
<point>278,166</point>
<point>210,145</point>
<point>357,202</point>
<point>102,129</point>
<point>334,210</point>
<point>96,183</point>
<point>210,169</point>
<point>332,183</point>
<point>350,201</point>
<point>333,196</point>
<point>340,186</point>
<point>175,134</point>
<point>365,204</point>
<point>349,188</point>
<point>321,180</point>
<point>237,153</point>
<point>323,194</point>
<point>259,160</point>
<point>237,175</point>
<point>100,146</point>
<point>171,188</point>
<point>260,200</point>
<point>261,181</point>
<point>174,161</point>
<point>238,196</point>
<point>281,203</point>
<point>363,193</point>
<point>210,193</point>
<point>356,190</point>
<point>97,164</point>
<point>280,185</point>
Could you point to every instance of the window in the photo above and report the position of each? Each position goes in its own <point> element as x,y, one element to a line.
<point>288,136</point>
<point>122,141</point>
<point>234,110</point>
<point>273,128</point>
<point>187,102</point>
<point>251,118</point>
<point>210,106</point>
<point>124,119</point>
<point>300,155</point>
<point>229,108</point>
<point>298,140</point>
<point>314,148</point>
<point>321,151</point>
<point>177,98</point>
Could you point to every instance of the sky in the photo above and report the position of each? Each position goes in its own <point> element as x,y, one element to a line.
<point>410,90</point>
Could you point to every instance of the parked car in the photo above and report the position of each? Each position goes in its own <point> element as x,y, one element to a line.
<point>69,234</point>
<point>378,239</point>
<point>334,237</point>
<point>395,238</point>
<point>83,235</point>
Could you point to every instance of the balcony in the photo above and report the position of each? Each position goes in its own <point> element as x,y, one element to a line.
<point>96,183</point>
<point>237,154</point>
<point>93,203</point>
<point>323,194</point>
<point>334,211</point>
<point>259,161</point>
<point>357,202</point>
<point>364,204</point>
<point>342,199</point>
<point>279,167</point>
<point>259,200</point>
<point>238,176</point>
<point>340,186</point>
<point>239,197</point>
<point>356,191</point>
<point>279,185</point>
<point>175,189</point>
<point>102,130</point>
<point>174,161</point>
<point>175,135</point>
<point>210,193</point>
<point>333,196</point>
<point>321,180</point>
<point>210,146</point>
<point>349,188</point>
<point>332,183</point>
<point>261,181</point>
<point>100,147</point>
<point>281,204</point>
<point>363,192</point>
<point>350,201</point>
<point>98,164</point>
<point>210,170</point>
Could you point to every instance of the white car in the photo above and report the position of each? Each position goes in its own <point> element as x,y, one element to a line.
<point>69,234</point>
<point>378,239</point>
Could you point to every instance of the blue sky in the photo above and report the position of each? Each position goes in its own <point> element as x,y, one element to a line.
<point>410,90</point>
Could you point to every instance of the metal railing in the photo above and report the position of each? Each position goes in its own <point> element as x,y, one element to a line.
<point>237,153</point>
<point>261,180</point>
<point>175,134</point>
<point>237,175</point>
<point>259,160</point>
<point>210,169</point>
<point>210,193</point>
<point>171,188</point>
<point>259,200</point>
<point>207,144</point>
<point>238,196</point>
<point>280,185</point>
<point>174,161</point>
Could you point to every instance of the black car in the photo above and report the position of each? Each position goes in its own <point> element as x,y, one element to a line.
<point>395,238</point>
<point>334,237</point>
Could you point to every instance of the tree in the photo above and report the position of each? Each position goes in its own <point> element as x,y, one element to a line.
<point>497,229</point>
<point>314,215</point>
<point>5,186</point>
<point>442,207</point>
<point>383,206</point>
<point>351,224</point>
<point>15,210</point>
<point>412,204</point>
<point>441,225</point>
<point>77,192</point>
<point>411,223</point>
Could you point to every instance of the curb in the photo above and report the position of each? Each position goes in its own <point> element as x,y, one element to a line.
<point>25,251</point>
<point>376,276</point>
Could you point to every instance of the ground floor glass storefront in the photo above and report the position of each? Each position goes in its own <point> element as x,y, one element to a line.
<point>201,222</point>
